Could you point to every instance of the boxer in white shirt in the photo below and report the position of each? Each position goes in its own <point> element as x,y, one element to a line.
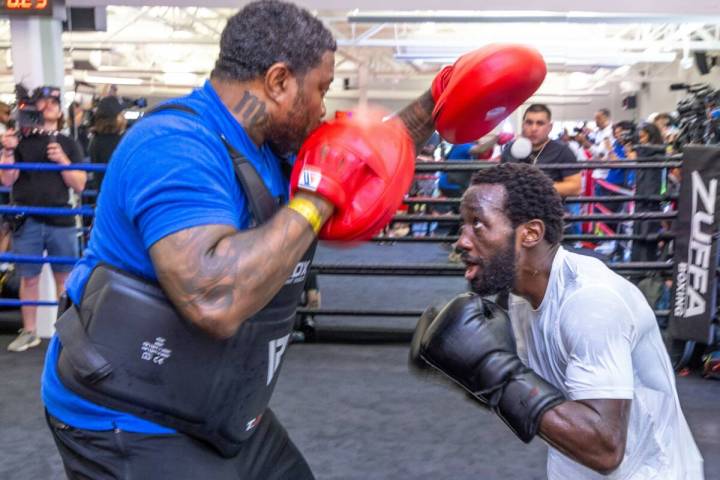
<point>588,371</point>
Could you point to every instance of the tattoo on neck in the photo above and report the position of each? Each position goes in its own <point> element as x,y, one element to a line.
<point>417,118</point>
<point>252,112</point>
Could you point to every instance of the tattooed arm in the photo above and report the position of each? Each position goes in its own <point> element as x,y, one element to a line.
<point>226,275</point>
<point>417,117</point>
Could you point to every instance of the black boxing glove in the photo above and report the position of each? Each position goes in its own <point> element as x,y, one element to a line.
<point>471,341</point>
<point>417,364</point>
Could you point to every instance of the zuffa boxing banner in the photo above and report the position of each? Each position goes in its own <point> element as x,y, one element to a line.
<point>696,245</point>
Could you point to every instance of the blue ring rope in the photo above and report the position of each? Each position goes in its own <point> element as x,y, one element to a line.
<point>17,258</point>
<point>54,167</point>
<point>59,211</point>
<point>12,302</point>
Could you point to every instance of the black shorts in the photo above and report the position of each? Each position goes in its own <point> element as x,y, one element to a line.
<point>115,454</point>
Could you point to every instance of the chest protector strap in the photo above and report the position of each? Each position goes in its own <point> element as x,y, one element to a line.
<point>126,347</point>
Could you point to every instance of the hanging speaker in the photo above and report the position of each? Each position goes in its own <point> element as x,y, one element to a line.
<point>701,61</point>
<point>629,102</point>
<point>86,19</point>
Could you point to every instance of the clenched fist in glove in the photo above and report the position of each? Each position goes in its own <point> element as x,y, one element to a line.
<point>363,166</point>
<point>471,341</point>
<point>482,88</point>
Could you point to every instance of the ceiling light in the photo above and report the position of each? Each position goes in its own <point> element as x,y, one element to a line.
<point>113,80</point>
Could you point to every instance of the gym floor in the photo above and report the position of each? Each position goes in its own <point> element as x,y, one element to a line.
<point>354,410</point>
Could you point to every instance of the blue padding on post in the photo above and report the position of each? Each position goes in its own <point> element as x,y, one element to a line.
<point>15,258</point>
<point>12,302</point>
<point>53,167</point>
<point>48,211</point>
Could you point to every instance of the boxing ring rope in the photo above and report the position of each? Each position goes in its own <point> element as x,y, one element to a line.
<point>454,218</point>
<point>390,313</point>
<point>582,199</point>
<point>407,218</point>
<point>442,269</point>
<point>47,211</point>
<point>651,163</point>
<point>569,238</point>
<point>53,167</point>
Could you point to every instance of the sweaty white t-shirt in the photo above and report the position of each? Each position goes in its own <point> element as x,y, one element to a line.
<point>594,336</point>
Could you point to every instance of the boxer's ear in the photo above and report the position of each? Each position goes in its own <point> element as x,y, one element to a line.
<point>531,233</point>
<point>280,84</point>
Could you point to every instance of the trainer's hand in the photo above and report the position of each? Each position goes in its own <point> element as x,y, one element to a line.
<point>10,140</point>
<point>471,341</point>
<point>363,166</point>
<point>482,88</point>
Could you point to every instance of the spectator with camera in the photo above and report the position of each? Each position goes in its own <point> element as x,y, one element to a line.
<point>108,128</point>
<point>32,235</point>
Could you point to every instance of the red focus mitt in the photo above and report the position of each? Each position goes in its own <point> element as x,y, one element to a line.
<point>363,166</point>
<point>482,88</point>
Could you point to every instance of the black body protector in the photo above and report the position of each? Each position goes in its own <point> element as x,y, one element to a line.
<point>126,347</point>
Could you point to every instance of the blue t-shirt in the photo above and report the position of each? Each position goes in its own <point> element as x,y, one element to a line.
<point>617,175</point>
<point>170,172</point>
<point>459,152</point>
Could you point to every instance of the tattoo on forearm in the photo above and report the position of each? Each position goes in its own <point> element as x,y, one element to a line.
<point>222,269</point>
<point>417,118</point>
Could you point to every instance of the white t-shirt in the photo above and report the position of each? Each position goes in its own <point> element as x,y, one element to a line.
<point>599,150</point>
<point>594,336</point>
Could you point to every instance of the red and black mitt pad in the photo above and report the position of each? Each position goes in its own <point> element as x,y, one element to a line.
<point>363,165</point>
<point>482,88</point>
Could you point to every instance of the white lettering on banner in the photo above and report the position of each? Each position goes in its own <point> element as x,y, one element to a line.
<point>299,273</point>
<point>276,349</point>
<point>680,287</point>
<point>703,216</point>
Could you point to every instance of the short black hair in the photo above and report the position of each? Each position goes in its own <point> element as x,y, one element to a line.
<point>662,116</point>
<point>269,31</point>
<point>529,195</point>
<point>536,108</point>
<point>605,112</point>
<point>653,133</point>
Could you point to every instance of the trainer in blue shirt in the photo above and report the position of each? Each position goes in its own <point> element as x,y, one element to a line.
<point>172,174</point>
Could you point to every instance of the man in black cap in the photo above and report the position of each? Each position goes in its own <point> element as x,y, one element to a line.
<point>35,234</point>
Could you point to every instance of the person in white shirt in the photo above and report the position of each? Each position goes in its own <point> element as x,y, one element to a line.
<point>590,374</point>
<point>602,145</point>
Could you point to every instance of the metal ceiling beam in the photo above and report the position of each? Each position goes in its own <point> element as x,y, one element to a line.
<point>451,43</point>
<point>474,16</point>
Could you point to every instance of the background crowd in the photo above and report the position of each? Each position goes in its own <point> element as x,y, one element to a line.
<point>92,129</point>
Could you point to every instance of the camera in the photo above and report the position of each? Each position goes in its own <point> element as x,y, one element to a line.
<point>696,124</point>
<point>133,103</point>
<point>27,119</point>
<point>629,137</point>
